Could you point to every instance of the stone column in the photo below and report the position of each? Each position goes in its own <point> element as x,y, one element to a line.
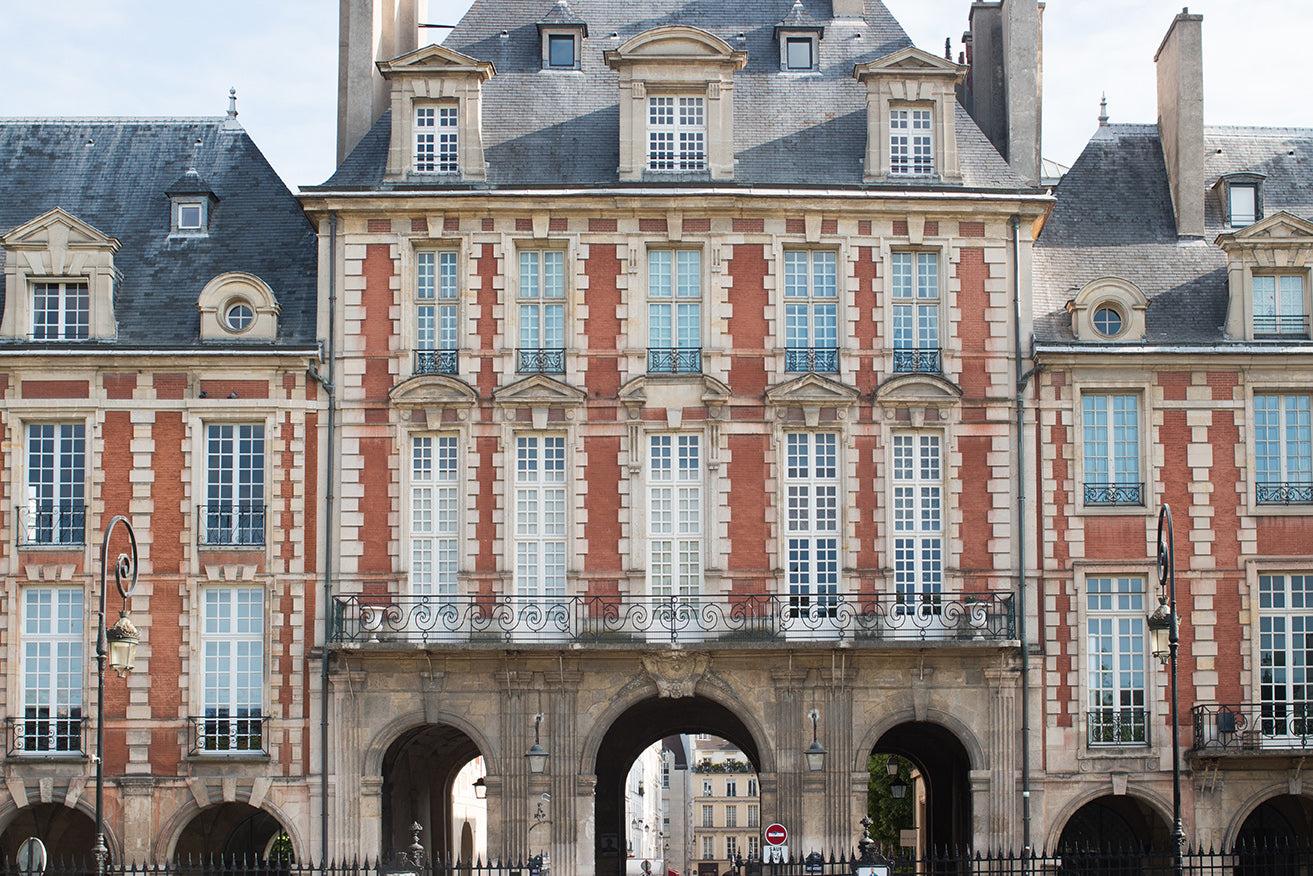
<point>139,825</point>
<point>788,806</point>
<point>1001,830</point>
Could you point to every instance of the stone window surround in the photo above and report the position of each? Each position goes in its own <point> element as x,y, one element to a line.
<point>1277,244</point>
<point>1122,296</point>
<point>229,289</point>
<point>1139,387</point>
<point>1273,382</point>
<point>843,286</point>
<point>459,431</point>
<point>225,412</point>
<point>911,78</point>
<point>196,686</point>
<point>575,34</point>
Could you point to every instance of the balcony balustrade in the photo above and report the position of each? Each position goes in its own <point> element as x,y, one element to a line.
<point>1299,493</point>
<point>811,359</point>
<point>436,361</point>
<point>1240,728</point>
<point>923,360</point>
<point>231,524</point>
<point>540,360</point>
<point>1114,494</point>
<point>52,523</point>
<point>41,736</point>
<point>674,360</point>
<point>228,736</point>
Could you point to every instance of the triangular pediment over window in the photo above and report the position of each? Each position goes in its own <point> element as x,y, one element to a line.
<point>437,59</point>
<point>1280,228</point>
<point>539,391</point>
<point>811,393</point>
<point>909,60</point>
<point>52,242</point>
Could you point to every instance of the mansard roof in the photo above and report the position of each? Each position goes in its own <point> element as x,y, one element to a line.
<point>1114,218</point>
<point>115,175</point>
<point>561,128</point>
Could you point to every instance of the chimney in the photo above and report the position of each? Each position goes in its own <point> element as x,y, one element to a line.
<point>1180,62</point>
<point>1004,94</point>
<point>849,8</point>
<point>369,31</point>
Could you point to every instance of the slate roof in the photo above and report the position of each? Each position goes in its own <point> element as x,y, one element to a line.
<point>1114,217</point>
<point>562,128</point>
<point>113,175</point>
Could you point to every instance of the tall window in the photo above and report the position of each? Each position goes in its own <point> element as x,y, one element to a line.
<point>540,517</point>
<point>1279,305</point>
<point>1283,449</point>
<point>542,312</point>
<point>1111,426</point>
<point>754,846</point>
<point>731,815</point>
<point>914,278</point>
<point>752,792</point>
<point>676,133</point>
<point>731,788</point>
<point>234,492</point>
<point>674,516</point>
<point>708,848</point>
<point>61,311</point>
<point>708,816</point>
<point>433,515</point>
<point>1285,604</point>
<point>811,311</point>
<point>435,139</point>
<point>1115,622</point>
<point>232,631</point>
<point>436,302</point>
<point>674,291</point>
<point>811,487</point>
<point>911,146</point>
<point>56,481</point>
<point>754,815</point>
<point>731,847</point>
<point>918,520</point>
<point>52,671</point>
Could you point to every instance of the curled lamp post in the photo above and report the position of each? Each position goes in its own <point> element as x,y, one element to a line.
<point>119,645</point>
<point>1162,626</point>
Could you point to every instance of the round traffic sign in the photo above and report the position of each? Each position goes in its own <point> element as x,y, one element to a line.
<point>776,834</point>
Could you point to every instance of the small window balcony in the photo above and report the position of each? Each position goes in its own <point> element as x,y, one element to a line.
<point>52,524</point>
<point>921,360</point>
<point>219,734</point>
<point>1248,728</point>
<point>811,359</point>
<point>1118,726</point>
<point>436,361</point>
<point>540,360</point>
<point>1111,495</point>
<point>1296,493</point>
<point>1281,325</point>
<point>41,736</point>
<point>674,360</point>
<point>231,524</point>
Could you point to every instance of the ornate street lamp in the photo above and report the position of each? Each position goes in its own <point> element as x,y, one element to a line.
<point>536,754</point>
<point>480,789</point>
<point>1162,626</point>
<point>119,645</point>
<point>815,752</point>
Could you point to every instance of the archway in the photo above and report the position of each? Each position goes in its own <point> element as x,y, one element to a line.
<point>1274,838</point>
<point>1110,834</point>
<point>428,779</point>
<point>67,834</point>
<point>940,785</point>
<point>643,724</point>
<point>235,832</point>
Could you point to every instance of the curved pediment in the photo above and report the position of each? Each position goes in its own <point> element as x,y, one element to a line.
<point>916,394</point>
<point>433,391</point>
<point>676,42</point>
<point>699,389</point>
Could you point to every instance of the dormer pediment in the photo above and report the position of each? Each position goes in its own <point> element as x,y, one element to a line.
<point>911,117</point>
<point>58,258</point>
<point>436,60</point>
<point>910,61</point>
<point>678,43</point>
<point>1279,229</point>
<point>58,232</point>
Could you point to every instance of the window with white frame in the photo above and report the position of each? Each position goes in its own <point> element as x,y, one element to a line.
<point>434,512</point>
<point>676,133</point>
<point>706,788</point>
<point>914,281</point>
<point>1111,442</point>
<point>1285,605</point>
<point>1279,305</point>
<point>675,516</point>
<point>918,507</point>
<point>811,496</point>
<point>1283,449</point>
<point>731,815</point>
<point>232,648</point>
<point>799,53</point>
<point>61,311</point>
<point>665,770</point>
<point>540,516</point>
<point>731,847</point>
<point>754,814</point>
<point>56,484</point>
<point>541,303</point>
<point>708,816</point>
<point>1115,640</point>
<point>234,510</point>
<point>436,310</point>
<point>435,139</point>
<point>562,51</point>
<point>811,311</point>
<point>731,788</point>
<point>754,847</point>
<point>911,143</point>
<point>674,311</point>
<point>1243,205</point>
<point>708,848</point>
<point>51,671</point>
<point>752,792</point>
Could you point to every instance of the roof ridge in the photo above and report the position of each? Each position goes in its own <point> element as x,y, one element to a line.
<point>111,120</point>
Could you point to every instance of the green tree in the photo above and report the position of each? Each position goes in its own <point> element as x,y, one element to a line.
<point>889,815</point>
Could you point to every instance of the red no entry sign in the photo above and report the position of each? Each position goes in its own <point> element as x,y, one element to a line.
<point>776,834</point>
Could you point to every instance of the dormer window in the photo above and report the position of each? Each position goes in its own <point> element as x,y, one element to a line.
<point>1241,198</point>
<point>800,53</point>
<point>61,311</point>
<point>190,215</point>
<point>436,139</point>
<point>1244,205</point>
<point>911,143</point>
<point>911,124</point>
<point>798,36</point>
<point>1108,309</point>
<point>563,34</point>
<point>190,202</point>
<point>561,52</point>
<point>676,133</point>
<point>1279,305</point>
<point>1268,277</point>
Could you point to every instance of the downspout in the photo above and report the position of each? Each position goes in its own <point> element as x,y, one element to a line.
<point>328,535</point>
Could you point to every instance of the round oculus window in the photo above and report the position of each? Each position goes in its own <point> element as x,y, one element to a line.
<point>239,316</point>
<point>1108,321</point>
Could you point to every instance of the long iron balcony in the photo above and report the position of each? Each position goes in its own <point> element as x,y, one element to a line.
<point>366,620</point>
<point>1249,728</point>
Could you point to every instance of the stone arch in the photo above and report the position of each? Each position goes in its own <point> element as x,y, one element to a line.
<point>11,814</point>
<point>1161,806</point>
<point>393,730</point>
<point>965,735</point>
<point>166,839</point>
<point>1251,804</point>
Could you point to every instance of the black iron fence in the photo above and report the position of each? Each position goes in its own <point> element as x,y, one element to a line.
<point>52,523</point>
<point>623,621</point>
<point>46,736</point>
<point>239,735</point>
<point>1241,727</point>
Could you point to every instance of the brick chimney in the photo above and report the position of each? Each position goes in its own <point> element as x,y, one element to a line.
<point>1180,62</point>
<point>369,31</point>
<point>1005,85</point>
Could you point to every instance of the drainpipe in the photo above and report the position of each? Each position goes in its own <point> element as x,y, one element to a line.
<point>1023,378</point>
<point>331,354</point>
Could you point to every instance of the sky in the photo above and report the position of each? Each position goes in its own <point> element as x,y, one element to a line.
<point>162,58</point>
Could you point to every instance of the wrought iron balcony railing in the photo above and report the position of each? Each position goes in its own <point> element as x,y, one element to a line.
<point>923,360</point>
<point>674,360</point>
<point>224,735</point>
<point>811,359</point>
<point>46,737</point>
<point>235,524</point>
<point>52,523</point>
<point>1118,726</point>
<point>1249,727</point>
<point>1114,494</point>
<point>1282,325</point>
<point>436,361</point>
<point>540,360</point>
<point>1299,493</point>
<point>602,621</point>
